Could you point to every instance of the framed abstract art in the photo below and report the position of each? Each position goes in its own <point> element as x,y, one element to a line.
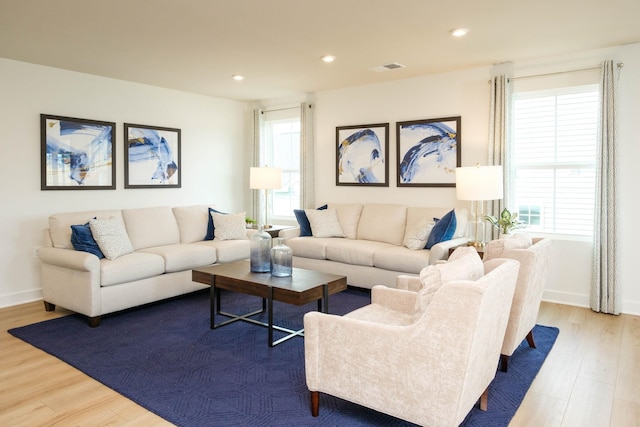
<point>361,155</point>
<point>152,157</point>
<point>428,152</point>
<point>77,154</point>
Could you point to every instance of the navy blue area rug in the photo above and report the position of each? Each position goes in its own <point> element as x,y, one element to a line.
<point>165,358</point>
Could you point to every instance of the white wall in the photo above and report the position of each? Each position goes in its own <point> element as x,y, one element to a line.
<point>466,93</point>
<point>213,135</point>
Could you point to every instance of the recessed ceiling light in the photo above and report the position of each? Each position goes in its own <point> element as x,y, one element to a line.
<point>459,32</point>
<point>328,58</point>
<point>238,77</point>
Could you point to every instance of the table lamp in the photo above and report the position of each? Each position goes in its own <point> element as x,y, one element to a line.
<point>477,184</point>
<point>265,178</point>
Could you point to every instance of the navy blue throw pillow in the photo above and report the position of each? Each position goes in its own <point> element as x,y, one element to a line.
<point>303,221</point>
<point>443,230</point>
<point>210,228</point>
<point>82,240</point>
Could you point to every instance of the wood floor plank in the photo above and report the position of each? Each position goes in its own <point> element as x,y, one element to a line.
<point>625,413</point>
<point>590,404</point>
<point>539,410</point>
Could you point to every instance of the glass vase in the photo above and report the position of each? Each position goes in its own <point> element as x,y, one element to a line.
<point>281,259</point>
<point>260,251</point>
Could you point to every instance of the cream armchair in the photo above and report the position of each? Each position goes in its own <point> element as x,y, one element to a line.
<point>533,256</point>
<point>428,368</point>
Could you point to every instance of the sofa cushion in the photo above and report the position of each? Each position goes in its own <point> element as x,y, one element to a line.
<point>495,248</point>
<point>417,237</point>
<point>111,236</point>
<point>324,223</point>
<point>211,229</point>
<point>401,259</point>
<point>229,226</point>
<point>149,227</point>
<point>463,264</point>
<point>130,267</point>
<point>303,221</point>
<point>228,250</point>
<point>192,222</point>
<point>443,230</point>
<point>309,247</point>
<point>82,240</point>
<point>355,252</point>
<point>382,223</point>
<point>348,217</point>
<point>181,257</point>
<point>60,224</point>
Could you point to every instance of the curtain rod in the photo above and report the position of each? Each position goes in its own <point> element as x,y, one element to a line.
<point>619,65</point>
<point>278,109</point>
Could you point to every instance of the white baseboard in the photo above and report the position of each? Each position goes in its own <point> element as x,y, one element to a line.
<point>17,298</point>
<point>631,307</point>
<point>578,300</point>
<point>565,298</point>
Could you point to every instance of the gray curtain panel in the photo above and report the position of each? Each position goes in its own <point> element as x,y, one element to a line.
<point>307,156</point>
<point>498,151</point>
<point>604,286</point>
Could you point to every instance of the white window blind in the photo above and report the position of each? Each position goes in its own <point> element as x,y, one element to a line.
<point>282,150</point>
<point>554,136</point>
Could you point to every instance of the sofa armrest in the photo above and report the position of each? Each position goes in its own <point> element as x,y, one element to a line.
<point>67,258</point>
<point>289,233</point>
<point>394,299</point>
<point>440,251</point>
<point>409,283</point>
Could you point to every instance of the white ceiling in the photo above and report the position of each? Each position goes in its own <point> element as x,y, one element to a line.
<point>197,45</point>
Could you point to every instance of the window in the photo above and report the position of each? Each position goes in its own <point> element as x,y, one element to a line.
<point>281,145</point>
<point>553,159</point>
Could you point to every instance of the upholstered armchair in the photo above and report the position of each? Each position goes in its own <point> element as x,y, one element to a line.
<point>533,256</point>
<point>424,357</point>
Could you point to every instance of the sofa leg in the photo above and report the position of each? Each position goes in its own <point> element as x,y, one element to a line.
<point>94,322</point>
<point>504,362</point>
<point>484,399</point>
<point>48,306</point>
<point>530,340</point>
<point>315,403</point>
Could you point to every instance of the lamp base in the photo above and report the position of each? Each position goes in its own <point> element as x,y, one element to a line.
<point>267,226</point>
<point>476,244</point>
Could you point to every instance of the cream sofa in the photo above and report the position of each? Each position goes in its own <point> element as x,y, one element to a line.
<point>167,243</point>
<point>372,251</point>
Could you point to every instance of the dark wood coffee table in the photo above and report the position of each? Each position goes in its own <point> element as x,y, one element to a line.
<point>302,287</point>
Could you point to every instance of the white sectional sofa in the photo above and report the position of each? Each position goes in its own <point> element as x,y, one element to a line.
<point>166,242</point>
<point>372,251</point>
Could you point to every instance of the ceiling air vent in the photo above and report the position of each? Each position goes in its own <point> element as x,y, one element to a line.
<point>387,67</point>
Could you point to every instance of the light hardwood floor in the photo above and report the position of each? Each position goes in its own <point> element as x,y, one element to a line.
<point>590,378</point>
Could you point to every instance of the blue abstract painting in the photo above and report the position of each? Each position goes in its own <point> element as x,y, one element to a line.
<point>153,156</point>
<point>428,152</point>
<point>77,153</point>
<point>361,155</point>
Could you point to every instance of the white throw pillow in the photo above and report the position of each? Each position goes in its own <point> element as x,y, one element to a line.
<point>230,226</point>
<point>324,223</point>
<point>417,237</point>
<point>111,236</point>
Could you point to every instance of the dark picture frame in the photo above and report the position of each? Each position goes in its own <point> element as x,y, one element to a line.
<point>152,157</point>
<point>77,154</point>
<point>428,152</point>
<point>362,155</point>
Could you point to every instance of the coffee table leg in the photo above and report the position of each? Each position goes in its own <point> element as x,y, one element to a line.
<point>325,297</point>
<point>270,314</point>
<point>212,301</point>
